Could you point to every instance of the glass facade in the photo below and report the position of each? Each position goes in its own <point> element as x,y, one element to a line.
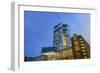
<point>61,36</point>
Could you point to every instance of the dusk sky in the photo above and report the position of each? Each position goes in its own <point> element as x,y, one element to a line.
<point>38,29</point>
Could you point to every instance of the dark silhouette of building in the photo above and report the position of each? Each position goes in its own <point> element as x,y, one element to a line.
<point>80,47</point>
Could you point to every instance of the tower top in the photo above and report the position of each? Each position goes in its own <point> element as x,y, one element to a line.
<point>61,24</point>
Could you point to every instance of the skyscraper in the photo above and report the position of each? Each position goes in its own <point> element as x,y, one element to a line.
<point>61,37</point>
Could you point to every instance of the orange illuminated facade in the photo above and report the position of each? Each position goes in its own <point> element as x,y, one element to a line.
<point>80,48</point>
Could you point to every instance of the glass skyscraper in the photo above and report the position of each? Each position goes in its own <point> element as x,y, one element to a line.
<point>61,37</point>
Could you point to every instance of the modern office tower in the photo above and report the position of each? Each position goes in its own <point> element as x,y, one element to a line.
<point>80,47</point>
<point>61,37</point>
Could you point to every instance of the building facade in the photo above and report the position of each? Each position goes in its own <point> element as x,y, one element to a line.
<point>64,54</point>
<point>80,47</point>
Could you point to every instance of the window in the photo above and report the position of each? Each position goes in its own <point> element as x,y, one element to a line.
<point>82,44</point>
<point>84,53</point>
<point>83,47</point>
<point>81,41</point>
<point>83,50</point>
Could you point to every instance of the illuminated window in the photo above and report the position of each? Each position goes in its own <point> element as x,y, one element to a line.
<point>84,53</point>
<point>83,47</point>
<point>83,50</point>
<point>82,44</point>
<point>81,41</point>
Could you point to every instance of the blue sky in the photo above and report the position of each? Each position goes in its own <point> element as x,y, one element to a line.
<point>38,28</point>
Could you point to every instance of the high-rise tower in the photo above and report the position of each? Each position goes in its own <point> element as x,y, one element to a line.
<point>61,38</point>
